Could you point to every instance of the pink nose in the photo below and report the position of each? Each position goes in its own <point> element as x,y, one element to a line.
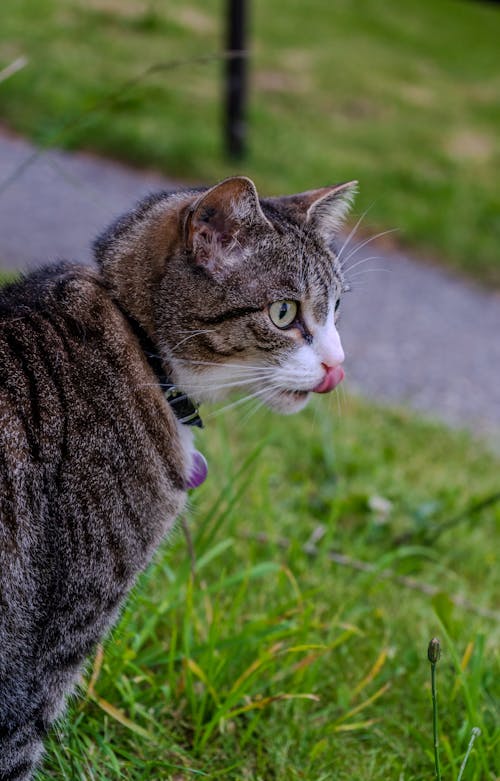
<point>333,376</point>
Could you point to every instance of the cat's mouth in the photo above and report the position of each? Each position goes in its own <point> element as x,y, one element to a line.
<point>333,376</point>
<point>299,395</point>
<point>290,400</point>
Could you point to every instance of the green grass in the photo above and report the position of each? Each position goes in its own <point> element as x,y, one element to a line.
<point>7,276</point>
<point>402,96</point>
<point>272,663</point>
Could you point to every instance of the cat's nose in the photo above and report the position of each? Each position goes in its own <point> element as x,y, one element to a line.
<point>333,376</point>
<point>330,350</point>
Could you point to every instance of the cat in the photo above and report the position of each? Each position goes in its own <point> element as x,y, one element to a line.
<point>102,370</point>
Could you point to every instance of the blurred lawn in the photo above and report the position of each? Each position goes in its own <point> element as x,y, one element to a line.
<point>402,96</point>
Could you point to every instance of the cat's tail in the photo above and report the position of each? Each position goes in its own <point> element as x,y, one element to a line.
<point>21,749</point>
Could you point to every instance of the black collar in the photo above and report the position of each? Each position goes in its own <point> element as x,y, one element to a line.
<point>184,408</point>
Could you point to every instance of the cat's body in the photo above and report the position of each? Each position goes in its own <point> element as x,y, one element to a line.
<point>94,464</point>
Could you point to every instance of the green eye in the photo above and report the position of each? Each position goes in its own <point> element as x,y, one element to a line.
<point>283,313</point>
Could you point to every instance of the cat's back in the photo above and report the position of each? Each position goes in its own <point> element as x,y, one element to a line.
<point>53,345</point>
<point>52,305</point>
<point>43,316</point>
<point>67,351</point>
<point>84,429</point>
<point>40,319</point>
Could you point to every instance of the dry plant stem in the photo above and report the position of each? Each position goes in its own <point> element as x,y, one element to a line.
<point>473,509</point>
<point>366,566</point>
<point>475,734</point>
<point>14,67</point>
<point>435,531</point>
<point>435,721</point>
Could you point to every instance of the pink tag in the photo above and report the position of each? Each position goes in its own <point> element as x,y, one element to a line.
<point>199,470</point>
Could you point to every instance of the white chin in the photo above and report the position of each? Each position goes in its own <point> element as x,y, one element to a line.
<point>288,402</point>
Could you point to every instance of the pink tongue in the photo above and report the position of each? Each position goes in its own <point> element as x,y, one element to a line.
<point>334,375</point>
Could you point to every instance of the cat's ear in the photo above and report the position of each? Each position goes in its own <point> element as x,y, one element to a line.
<point>219,220</point>
<point>328,209</point>
<point>324,209</point>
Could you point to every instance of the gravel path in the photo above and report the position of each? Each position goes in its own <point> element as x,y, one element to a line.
<point>413,334</point>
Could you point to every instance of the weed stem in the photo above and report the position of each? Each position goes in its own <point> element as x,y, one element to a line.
<point>474,734</point>
<point>433,654</point>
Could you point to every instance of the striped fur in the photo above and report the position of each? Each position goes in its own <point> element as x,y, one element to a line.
<point>93,464</point>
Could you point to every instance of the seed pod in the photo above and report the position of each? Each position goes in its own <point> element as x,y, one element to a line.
<point>434,651</point>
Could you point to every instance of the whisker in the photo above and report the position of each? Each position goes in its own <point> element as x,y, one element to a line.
<point>271,393</point>
<point>361,261</point>
<point>338,399</point>
<point>368,241</point>
<point>220,386</point>
<point>258,404</point>
<point>368,271</point>
<point>351,234</point>
<point>237,403</point>
<point>360,285</point>
<point>315,414</point>
<point>189,330</point>
<point>192,386</point>
<point>245,367</point>
<point>343,392</point>
<point>191,335</point>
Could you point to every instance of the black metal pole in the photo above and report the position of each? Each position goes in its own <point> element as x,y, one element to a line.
<point>236,79</point>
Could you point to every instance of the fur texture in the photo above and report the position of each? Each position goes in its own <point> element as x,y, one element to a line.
<point>93,463</point>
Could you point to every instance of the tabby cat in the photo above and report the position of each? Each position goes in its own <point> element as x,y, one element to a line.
<point>197,293</point>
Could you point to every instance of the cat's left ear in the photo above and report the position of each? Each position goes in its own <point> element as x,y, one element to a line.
<point>220,219</point>
<point>329,207</point>
<point>324,209</point>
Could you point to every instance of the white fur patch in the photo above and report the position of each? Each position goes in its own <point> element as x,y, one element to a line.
<point>211,382</point>
<point>186,437</point>
<point>327,342</point>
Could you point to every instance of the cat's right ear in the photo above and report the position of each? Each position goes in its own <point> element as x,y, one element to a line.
<point>218,221</point>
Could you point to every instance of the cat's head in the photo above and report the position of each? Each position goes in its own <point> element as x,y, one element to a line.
<point>237,293</point>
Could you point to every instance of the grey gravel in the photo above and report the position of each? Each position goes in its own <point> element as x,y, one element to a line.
<point>413,334</point>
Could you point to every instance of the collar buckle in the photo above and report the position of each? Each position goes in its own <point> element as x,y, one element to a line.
<point>184,407</point>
